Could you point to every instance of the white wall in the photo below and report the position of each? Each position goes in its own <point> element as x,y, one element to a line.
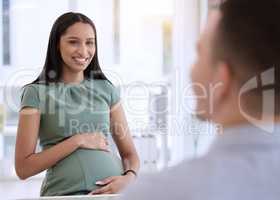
<point>190,15</point>
<point>14,189</point>
<point>1,36</point>
<point>31,22</point>
<point>141,38</point>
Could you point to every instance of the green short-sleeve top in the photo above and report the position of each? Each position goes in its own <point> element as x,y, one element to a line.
<point>68,109</point>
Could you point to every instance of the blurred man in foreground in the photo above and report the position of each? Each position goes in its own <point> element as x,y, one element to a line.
<point>238,70</point>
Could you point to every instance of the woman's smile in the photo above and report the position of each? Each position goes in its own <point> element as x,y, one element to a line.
<point>80,61</point>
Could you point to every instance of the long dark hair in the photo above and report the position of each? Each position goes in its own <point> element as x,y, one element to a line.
<point>52,69</point>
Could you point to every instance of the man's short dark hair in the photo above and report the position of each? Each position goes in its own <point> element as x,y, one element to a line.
<point>248,39</point>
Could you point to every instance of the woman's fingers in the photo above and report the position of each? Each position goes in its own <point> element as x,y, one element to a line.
<point>105,181</point>
<point>95,140</point>
<point>101,190</point>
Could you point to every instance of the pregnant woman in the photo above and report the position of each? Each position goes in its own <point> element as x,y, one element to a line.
<point>72,108</point>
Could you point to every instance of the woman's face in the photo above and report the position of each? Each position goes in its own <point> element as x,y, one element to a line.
<point>77,47</point>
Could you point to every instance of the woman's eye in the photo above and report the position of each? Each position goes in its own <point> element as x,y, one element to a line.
<point>90,43</point>
<point>73,42</point>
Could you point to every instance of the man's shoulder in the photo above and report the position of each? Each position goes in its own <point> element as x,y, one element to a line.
<point>176,182</point>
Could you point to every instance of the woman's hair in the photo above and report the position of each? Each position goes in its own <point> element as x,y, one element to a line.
<point>52,69</point>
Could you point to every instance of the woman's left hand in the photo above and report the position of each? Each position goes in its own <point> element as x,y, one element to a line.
<point>113,184</point>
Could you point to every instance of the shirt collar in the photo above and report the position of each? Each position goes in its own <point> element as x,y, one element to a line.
<point>245,136</point>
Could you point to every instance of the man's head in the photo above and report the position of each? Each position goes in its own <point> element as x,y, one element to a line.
<point>241,41</point>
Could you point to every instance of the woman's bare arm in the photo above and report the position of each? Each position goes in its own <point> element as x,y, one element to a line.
<point>123,139</point>
<point>28,162</point>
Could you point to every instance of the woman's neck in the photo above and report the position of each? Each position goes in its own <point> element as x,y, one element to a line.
<point>72,77</point>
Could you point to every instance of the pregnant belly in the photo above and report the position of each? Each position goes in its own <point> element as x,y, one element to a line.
<point>80,170</point>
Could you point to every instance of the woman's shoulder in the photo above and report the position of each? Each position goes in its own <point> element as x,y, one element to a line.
<point>30,96</point>
<point>35,87</point>
<point>36,90</point>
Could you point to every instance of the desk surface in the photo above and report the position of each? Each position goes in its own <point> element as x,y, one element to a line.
<point>78,197</point>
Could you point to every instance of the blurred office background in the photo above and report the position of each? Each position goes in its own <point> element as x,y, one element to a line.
<point>146,48</point>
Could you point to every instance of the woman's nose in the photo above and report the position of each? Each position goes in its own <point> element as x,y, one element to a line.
<point>83,51</point>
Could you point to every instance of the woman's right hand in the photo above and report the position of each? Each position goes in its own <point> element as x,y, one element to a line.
<point>92,141</point>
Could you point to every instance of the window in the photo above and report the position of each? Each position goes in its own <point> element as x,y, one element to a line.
<point>6,31</point>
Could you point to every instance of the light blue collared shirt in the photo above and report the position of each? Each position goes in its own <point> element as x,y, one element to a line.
<point>242,163</point>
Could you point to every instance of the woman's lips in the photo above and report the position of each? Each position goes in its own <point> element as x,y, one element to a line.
<point>80,61</point>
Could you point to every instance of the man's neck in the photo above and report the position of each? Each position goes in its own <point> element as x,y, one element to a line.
<point>237,119</point>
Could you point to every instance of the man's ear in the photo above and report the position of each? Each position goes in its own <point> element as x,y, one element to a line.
<point>222,83</point>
